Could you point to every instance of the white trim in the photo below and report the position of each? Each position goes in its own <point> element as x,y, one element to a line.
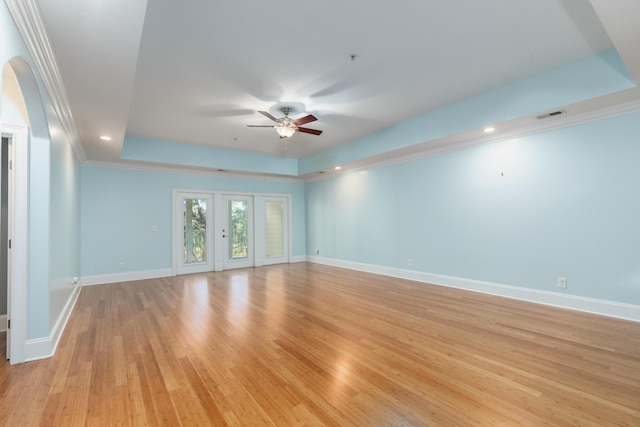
<point>43,348</point>
<point>218,243</point>
<point>259,257</point>
<point>298,258</point>
<point>126,277</point>
<point>61,323</point>
<point>260,212</point>
<point>3,322</point>
<point>17,303</point>
<point>290,225</point>
<point>174,238</point>
<point>604,107</point>
<point>37,349</point>
<point>194,170</point>
<point>572,302</point>
<point>28,20</point>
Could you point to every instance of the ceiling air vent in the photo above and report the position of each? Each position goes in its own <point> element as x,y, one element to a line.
<point>551,114</point>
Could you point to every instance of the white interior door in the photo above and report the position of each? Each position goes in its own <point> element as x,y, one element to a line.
<point>193,232</point>
<point>237,231</point>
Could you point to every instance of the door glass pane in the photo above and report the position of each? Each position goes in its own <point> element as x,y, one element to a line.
<point>238,220</point>
<point>195,230</point>
<point>274,230</point>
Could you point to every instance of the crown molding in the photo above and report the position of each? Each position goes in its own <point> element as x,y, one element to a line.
<point>28,20</point>
<point>166,168</point>
<point>608,106</point>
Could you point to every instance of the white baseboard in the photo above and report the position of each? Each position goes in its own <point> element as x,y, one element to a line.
<point>42,348</point>
<point>102,279</point>
<point>3,322</point>
<point>572,302</point>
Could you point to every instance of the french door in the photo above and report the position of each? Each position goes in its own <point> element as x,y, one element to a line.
<point>237,231</point>
<point>214,231</point>
<point>194,229</point>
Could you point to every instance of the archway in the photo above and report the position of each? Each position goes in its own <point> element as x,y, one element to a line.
<point>22,117</point>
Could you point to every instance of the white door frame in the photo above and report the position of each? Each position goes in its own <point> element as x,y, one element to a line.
<point>261,229</point>
<point>17,262</point>
<point>219,242</point>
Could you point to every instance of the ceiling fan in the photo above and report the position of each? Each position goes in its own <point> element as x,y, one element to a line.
<point>286,126</point>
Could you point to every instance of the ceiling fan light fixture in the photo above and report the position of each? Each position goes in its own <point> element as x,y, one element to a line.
<point>285,131</point>
<point>286,127</point>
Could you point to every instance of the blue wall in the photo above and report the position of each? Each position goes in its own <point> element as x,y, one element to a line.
<point>584,79</point>
<point>38,312</point>
<point>150,150</point>
<point>64,221</point>
<point>524,212</point>
<point>120,205</point>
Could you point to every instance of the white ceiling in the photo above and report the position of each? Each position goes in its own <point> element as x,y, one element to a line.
<point>198,71</point>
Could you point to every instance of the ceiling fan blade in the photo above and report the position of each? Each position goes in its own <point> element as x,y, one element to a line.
<point>306,119</point>
<point>311,131</point>
<point>260,126</point>
<point>268,115</point>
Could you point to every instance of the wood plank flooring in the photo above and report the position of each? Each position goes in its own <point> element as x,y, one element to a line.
<point>305,344</point>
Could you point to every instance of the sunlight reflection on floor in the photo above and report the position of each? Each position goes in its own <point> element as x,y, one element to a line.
<point>239,300</point>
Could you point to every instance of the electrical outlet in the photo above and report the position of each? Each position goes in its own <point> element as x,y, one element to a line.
<point>122,266</point>
<point>97,268</point>
<point>317,251</point>
<point>410,262</point>
<point>562,282</point>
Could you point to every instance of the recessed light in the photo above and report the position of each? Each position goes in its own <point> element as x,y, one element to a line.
<point>337,168</point>
<point>105,138</point>
<point>489,129</point>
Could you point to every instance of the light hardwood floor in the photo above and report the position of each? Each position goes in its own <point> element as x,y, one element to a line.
<point>305,344</point>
